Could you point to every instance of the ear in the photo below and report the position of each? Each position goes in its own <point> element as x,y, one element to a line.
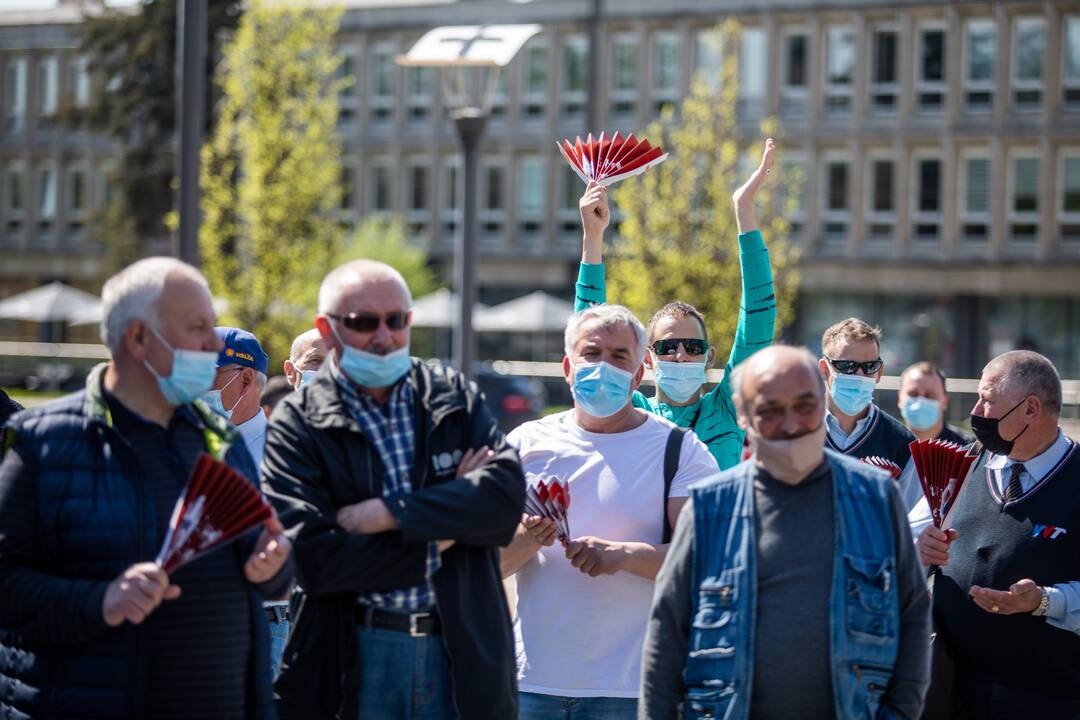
<point>649,362</point>
<point>880,373</point>
<point>710,357</point>
<point>322,324</point>
<point>247,378</point>
<point>136,339</point>
<point>567,370</point>
<point>289,369</point>
<point>823,366</point>
<point>635,382</point>
<point>740,413</point>
<point>1033,407</point>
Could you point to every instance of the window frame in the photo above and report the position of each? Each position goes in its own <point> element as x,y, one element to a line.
<point>1016,84</point>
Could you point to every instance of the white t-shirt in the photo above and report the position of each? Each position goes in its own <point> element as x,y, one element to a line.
<point>579,636</point>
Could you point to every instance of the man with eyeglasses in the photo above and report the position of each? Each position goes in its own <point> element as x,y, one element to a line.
<point>678,345</point>
<point>852,367</point>
<point>398,488</point>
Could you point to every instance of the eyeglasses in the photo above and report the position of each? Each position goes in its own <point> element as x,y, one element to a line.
<point>670,346</point>
<point>362,322</point>
<point>850,367</point>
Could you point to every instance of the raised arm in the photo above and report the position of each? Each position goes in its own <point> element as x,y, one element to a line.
<point>591,289</point>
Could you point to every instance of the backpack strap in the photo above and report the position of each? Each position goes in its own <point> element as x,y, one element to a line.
<point>671,466</point>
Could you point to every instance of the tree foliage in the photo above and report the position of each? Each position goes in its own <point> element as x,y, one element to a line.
<point>677,237</point>
<point>385,240</point>
<point>270,174</point>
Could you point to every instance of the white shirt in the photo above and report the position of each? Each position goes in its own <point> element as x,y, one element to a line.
<point>579,636</point>
<point>254,433</point>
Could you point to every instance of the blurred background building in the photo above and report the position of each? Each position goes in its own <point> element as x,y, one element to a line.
<point>940,145</point>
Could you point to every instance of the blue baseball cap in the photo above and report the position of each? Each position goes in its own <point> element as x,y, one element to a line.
<point>241,348</point>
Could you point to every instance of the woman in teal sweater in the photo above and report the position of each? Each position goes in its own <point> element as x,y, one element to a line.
<point>679,352</point>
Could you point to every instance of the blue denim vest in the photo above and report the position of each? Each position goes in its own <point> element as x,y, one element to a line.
<point>863,606</point>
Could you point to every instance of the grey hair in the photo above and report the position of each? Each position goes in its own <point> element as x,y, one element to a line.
<point>298,343</point>
<point>609,316</point>
<point>355,273</point>
<point>738,373</point>
<point>1030,373</point>
<point>133,294</point>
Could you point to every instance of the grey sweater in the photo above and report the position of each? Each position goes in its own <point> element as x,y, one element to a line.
<point>794,529</point>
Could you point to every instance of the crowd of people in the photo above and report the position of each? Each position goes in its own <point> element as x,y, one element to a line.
<point>726,554</point>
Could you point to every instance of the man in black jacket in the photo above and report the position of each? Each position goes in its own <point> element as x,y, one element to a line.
<point>397,489</point>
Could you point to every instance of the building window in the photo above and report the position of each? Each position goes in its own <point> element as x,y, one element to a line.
<point>493,198</point>
<point>753,63</point>
<point>1024,198</point>
<point>46,200</point>
<point>531,195</point>
<point>836,215</point>
<point>418,93</point>
<point>348,187</point>
<point>382,187</point>
<point>1029,51</point>
<point>795,81</point>
<point>383,77</point>
<point>980,50</point>
<point>48,92</point>
<point>418,210</point>
<point>665,70</point>
<point>624,74</point>
<point>708,57</point>
<point>839,70</point>
<point>975,198</point>
<point>884,88</point>
<point>534,81</point>
<point>881,217</point>
<point>15,95</point>
<point>451,209</point>
<point>14,201</point>
<point>1069,227</point>
<point>348,98</point>
<point>1070,76</point>
<point>570,190</point>
<point>575,58</point>
<point>78,82</point>
<point>930,70</point>
<point>926,225</point>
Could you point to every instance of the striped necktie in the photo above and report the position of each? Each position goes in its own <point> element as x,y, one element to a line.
<point>1014,490</point>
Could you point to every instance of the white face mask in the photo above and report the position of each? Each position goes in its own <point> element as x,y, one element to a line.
<point>789,460</point>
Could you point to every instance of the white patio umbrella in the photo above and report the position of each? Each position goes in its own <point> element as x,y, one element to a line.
<point>55,302</point>
<point>439,310</point>
<point>535,312</point>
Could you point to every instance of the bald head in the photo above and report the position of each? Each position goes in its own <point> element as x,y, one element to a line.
<point>360,277</point>
<point>309,349</point>
<point>779,392</point>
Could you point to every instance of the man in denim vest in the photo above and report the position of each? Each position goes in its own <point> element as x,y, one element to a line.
<point>791,588</point>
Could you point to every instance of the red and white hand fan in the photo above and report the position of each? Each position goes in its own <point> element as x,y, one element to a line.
<point>608,160</point>
<point>217,506</point>
<point>942,468</point>
<point>884,464</point>
<point>550,500</point>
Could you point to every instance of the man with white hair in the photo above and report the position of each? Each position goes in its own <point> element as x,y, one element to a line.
<point>1007,600</point>
<point>306,356</point>
<point>792,588</point>
<point>90,626</point>
<point>397,487</point>
<point>582,608</point>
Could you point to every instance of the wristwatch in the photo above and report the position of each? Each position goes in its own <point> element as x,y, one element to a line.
<point>1043,603</point>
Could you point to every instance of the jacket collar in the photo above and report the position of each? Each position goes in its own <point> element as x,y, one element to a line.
<point>324,408</point>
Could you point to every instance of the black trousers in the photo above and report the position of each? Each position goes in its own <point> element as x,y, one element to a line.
<point>982,700</point>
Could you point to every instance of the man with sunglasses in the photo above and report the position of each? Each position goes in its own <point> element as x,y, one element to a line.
<point>678,346</point>
<point>398,488</point>
<point>1007,599</point>
<point>852,367</point>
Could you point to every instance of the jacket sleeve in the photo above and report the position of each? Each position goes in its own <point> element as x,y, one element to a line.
<point>484,507</point>
<point>757,310</point>
<point>590,289</point>
<point>328,559</point>
<point>35,604</point>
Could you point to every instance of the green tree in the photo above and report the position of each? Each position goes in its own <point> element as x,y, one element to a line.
<point>132,55</point>
<point>677,237</point>
<point>271,171</point>
<point>386,241</point>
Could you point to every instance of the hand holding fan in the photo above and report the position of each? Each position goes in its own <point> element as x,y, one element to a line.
<point>884,464</point>
<point>942,468</point>
<point>551,501</point>
<point>608,160</point>
<point>217,506</point>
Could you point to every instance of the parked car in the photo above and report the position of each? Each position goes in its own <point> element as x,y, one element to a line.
<point>513,399</point>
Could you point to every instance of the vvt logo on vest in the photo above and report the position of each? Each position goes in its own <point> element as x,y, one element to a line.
<point>1050,532</point>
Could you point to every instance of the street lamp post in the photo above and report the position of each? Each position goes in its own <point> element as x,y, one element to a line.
<point>191,84</point>
<point>468,48</point>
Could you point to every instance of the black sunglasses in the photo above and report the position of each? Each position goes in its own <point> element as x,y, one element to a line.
<point>361,322</point>
<point>850,367</point>
<point>670,346</point>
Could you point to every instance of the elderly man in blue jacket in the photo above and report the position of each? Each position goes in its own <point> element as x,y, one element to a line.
<point>791,588</point>
<point>89,625</point>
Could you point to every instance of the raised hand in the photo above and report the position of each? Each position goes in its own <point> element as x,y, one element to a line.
<point>745,196</point>
<point>595,219</point>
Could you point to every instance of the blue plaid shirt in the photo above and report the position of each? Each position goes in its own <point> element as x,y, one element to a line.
<point>390,429</point>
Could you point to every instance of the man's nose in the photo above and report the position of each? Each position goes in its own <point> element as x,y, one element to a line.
<point>790,424</point>
<point>382,334</point>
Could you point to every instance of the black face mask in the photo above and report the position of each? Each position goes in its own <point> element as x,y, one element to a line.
<point>986,432</point>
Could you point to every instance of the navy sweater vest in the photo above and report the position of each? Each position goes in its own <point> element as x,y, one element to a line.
<point>1036,536</point>
<point>886,437</point>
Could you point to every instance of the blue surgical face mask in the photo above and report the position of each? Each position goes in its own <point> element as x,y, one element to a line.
<point>921,413</point>
<point>213,399</point>
<point>307,376</point>
<point>601,389</point>
<point>371,370</point>
<point>852,393</point>
<point>193,373</point>
<point>680,381</point>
